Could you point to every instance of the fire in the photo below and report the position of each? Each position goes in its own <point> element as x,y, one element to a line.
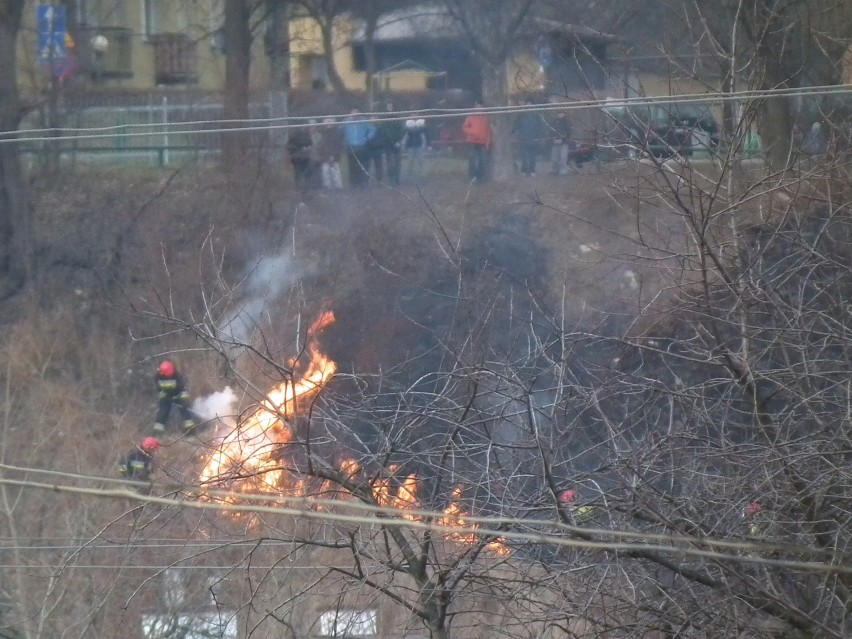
<point>404,497</point>
<point>248,459</point>
<point>454,517</point>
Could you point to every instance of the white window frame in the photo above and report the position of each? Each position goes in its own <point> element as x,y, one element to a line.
<point>217,15</point>
<point>152,20</point>
<point>349,623</point>
<point>102,13</point>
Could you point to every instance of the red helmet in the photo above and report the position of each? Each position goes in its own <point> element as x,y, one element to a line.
<point>753,509</point>
<point>567,495</point>
<point>167,368</point>
<point>150,444</point>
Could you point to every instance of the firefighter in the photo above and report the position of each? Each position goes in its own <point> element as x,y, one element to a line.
<point>171,391</point>
<point>567,498</point>
<point>139,463</point>
<point>754,520</point>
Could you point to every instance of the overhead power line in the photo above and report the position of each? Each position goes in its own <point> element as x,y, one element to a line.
<point>237,497</point>
<point>309,510</point>
<point>270,124</point>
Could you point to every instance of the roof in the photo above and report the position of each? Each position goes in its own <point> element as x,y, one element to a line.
<point>410,65</point>
<point>543,26</point>
<point>434,22</point>
<point>423,22</point>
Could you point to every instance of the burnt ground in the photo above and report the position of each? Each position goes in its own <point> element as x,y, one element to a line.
<point>127,258</point>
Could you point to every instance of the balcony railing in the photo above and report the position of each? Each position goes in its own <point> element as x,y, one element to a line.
<point>175,59</point>
<point>105,53</point>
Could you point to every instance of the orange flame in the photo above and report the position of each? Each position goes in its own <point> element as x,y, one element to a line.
<point>247,459</point>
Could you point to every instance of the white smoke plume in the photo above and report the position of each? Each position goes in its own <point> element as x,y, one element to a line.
<point>270,276</point>
<point>219,405</point>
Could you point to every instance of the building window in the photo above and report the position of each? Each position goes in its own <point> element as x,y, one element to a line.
<point>319,72</point>
<point>102,13</point>
<point>217,24</point>
<point>164,16</point>
<point>343,624</point>
<point>201,625</point>
<point>173,588</point>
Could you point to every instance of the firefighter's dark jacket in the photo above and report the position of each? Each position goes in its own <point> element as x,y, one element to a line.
<point>137,464</point>
<point>171,387</point>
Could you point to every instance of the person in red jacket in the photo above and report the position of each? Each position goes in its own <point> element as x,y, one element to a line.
<point>478,138</point>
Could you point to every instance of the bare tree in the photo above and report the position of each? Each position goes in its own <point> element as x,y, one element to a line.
<point>14,204</point>
<point>763,46</point>
<point>237,65</point>
<point>718,422</point>
<point>369,13</point>
<point>669,458</point>
<point>327,15</point>
<point>491,31</point>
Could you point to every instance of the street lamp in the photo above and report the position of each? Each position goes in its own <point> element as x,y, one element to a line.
<point>100,44</point>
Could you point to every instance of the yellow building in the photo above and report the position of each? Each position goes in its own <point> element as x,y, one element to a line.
<point>132,45</point>
<point>422,48</point>
<point>138,45</point>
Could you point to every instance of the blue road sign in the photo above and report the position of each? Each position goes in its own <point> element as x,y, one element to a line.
<point>50,18</point>
<point>51,28</point>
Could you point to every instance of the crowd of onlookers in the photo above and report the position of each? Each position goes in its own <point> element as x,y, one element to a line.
<point>391,148</point>
<point>370,148</point>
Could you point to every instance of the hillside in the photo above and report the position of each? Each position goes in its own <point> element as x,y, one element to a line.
<point>476,319</point>
<point>115,250</point>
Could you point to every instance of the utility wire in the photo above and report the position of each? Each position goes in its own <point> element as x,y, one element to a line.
<point>291,122</point>
<point>205,492</point>
<point>467,529</point>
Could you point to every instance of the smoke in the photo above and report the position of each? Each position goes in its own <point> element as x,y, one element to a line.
<point>219,405</point>
<point>270,276</point>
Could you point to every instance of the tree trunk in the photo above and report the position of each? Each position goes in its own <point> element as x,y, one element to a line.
<point>495,92</point>
<point>237,68</point>
<point>15,222</point>
<point>776,125</point>
<point>439,632</point>
<point>278,47</point>
<point>327,29</point>
<point>371,21</point>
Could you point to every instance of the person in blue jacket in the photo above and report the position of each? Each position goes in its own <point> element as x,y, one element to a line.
<point>358,135</point>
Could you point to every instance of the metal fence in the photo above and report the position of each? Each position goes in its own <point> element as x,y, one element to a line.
<point>157,128</point>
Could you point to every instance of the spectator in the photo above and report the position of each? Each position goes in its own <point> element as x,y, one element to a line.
<point>752,144</point>
<point>375,164</point>
<point>358,135</point>
<point>332,148</point>
<point>478,139</point>
<point>415,141</point>
<point>561,144</point>
<point>815,143</point>
<point>529,131</point>
<point>299,150</point>
<point>391,133</point>
<point>315,155</point>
